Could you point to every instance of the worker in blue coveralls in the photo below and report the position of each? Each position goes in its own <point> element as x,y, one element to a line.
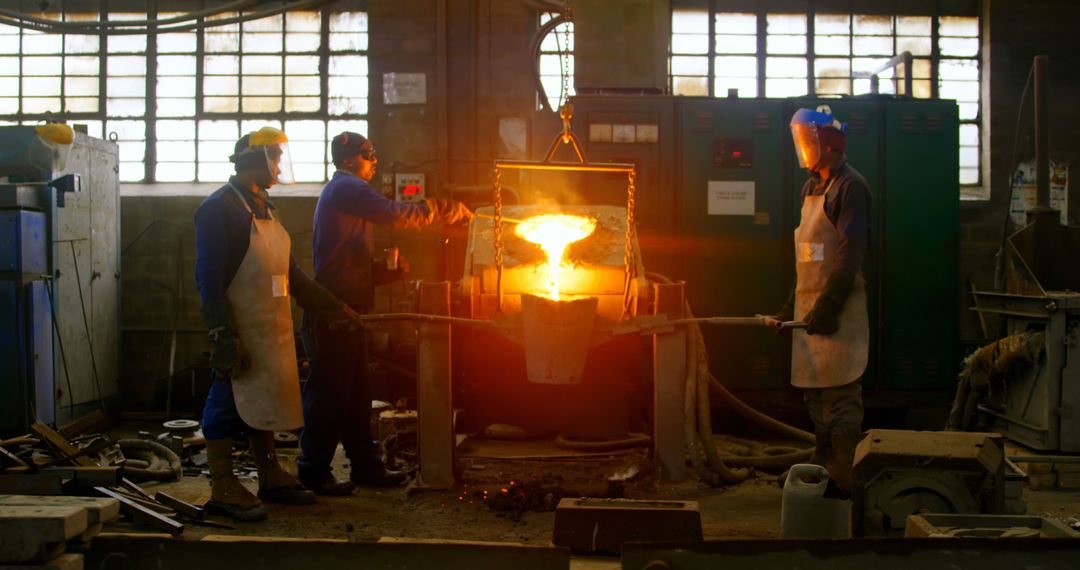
<point>337,395</point>
<point>829,357</point>
<point>245,275</point>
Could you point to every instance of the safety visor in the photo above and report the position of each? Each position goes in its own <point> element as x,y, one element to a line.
<point>279,162</point>
<point>807,145</point>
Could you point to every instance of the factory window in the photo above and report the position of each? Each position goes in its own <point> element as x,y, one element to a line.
<point>304,71</point>
<point>556,61</point>
<point>823,54</point>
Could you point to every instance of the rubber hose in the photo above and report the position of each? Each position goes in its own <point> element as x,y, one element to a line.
<point>704,421</point>
<point>640,440</point>
<point>693,447</point>
<point>166,468</point>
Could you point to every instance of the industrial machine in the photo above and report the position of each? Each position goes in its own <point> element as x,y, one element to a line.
<point>719,193</point>
<point>59,276</point>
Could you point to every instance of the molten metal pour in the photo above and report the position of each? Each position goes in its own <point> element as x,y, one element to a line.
<point>554,233</point>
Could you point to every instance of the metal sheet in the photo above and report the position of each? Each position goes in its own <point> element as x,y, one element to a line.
<point>104,265</point>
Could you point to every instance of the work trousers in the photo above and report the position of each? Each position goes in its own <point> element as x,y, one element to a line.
<point>220,418</point>
<point>336,399</point>
<point>837,414</point>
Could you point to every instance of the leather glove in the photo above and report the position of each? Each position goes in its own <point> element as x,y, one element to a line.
<point>449,211</point>
<point>787,311</point>
<point>824,318</point>
<point>224,344</point>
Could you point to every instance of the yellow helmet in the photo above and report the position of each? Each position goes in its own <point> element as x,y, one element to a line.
<point>274,146</point>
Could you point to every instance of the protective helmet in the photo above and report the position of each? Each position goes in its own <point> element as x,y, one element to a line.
<point>272,146</point>
<point>809,128</point>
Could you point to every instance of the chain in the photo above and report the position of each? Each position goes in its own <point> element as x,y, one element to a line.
<point>498,238</point>
<point>628,256</point>
<point>564,55</point>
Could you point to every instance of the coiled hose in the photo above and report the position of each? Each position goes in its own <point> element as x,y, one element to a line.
<point>697,423</point>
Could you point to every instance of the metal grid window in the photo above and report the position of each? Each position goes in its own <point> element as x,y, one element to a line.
<point>178,101</point>
<point>790,55</point>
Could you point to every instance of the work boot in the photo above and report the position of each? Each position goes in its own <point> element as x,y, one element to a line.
<point>377,476</point>
<point>839,462</point>
<point>228,495</point>
<point>275,484</point>
<point>328,485</point>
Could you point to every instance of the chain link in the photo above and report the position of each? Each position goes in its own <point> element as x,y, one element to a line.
<point>498,237</point>
<point>628,256</point>
<point>564,54</point>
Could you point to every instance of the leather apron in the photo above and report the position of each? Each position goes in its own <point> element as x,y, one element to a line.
<point>825,361</point>
<point>267,391</point>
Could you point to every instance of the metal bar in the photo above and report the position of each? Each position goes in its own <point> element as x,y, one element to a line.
<point>1042,134</point>
<point>435,427</point>
<point>564,166</point>
<point>1044,458</point>
<point>669,379</point>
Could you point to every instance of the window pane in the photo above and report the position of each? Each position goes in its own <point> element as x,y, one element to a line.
<point>832,24</point>
<point>689,21</point>
<point>39,43</point>
<point>349,65</point>
<point>176,86</point>
<point>969,176</point>
<point>353,86</point>
<point>176,130</point>
<point>686,43</point>
<point>969,156</point>
<point>261,104</point>
<point>126,86</point>
<point>215,171</point>
<point>80,44</point>
<point>921,88</point>
<point>305,131</point>
<point>969,111</point>
<point>175,171</point>
<point>260,42</point>
<point>832,86</point>
<point>692,86</point>
<point>267,24</point>
<point>42,66</point>
<point>176,151</point>
<point>688,65</point>
<point>959,90</point>
<point>177,43</point>
<point>261,85</point>
<point>785,67</point>
<point>832,45</point>
<point>302,85</point>
<point>734,66</point>
<point>302,65</point>
<point>959,46</point>
<point>219,131</point>
<point>175,107</point>
<point>221,65</point>
<point>916,45</point>
<point>958,26</point>
<point>80,86</point>
<point>127,44</point>
<point>785,87</point>
<point>969,135</point>
<point>736,44</point>
<point>745,87</point>
<point>786,44</point>
<point>261,64</point>
<point>299,43</point>
<point>308,21</point>
<point>39,105</point>
<point>873,45</point>
<point>959,69</point>
<point>218,41</point>
<point>125,107</point>
<point>81,65</point>
<point>873,25</point>
<point>301,104</point>
<point>348,41</point>
<point>221,104</point>
<point>221,86</point>
<point>40,86</point>
<point>349,22</point>
<point>736,23</point>
<point>350,105</point>
<point>785,24</point>
<point>832,67</point>
<point>176,65</point>
<point>126,65</point>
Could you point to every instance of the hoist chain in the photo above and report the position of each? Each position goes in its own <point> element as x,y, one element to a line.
<point>498,238</point>
<point>628,256</point>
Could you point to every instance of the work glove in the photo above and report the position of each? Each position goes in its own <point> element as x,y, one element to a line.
<point>824,318</point>
<point>449,211</point>
<point>311,296</point>
<point>224,344</point>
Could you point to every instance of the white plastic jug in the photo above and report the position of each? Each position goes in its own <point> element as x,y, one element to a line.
<point>805,512</point>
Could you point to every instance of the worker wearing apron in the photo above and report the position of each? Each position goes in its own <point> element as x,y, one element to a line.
<point>829,357</point>
<point>245,274</point>
<point>337,394</point>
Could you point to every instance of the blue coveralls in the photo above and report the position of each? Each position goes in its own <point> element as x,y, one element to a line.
<point>222,231</point>
<point>337,394</point>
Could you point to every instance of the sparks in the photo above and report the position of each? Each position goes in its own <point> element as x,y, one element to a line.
<point>553,233</point>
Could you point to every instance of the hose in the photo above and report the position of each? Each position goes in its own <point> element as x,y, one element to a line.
<point>153,461</point>
<point>639,440</point>
<point>697,425</point>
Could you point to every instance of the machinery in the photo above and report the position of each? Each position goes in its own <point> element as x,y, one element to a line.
<point>59,276</point>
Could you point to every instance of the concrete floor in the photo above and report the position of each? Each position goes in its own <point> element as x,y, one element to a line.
<point>748,510</point>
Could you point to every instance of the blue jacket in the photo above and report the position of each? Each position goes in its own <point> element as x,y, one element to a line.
<point>222,232</point>
<point>343,235</point>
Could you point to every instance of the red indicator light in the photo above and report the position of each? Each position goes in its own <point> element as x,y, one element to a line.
<point>412,190</point>
<point>737,153</point>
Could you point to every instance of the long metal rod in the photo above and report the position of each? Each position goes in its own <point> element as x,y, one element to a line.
<point>1042,134</point>
<point>564,166</point>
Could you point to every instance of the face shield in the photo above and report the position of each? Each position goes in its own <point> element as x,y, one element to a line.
<point>807,145</point>
<point>275,147</point>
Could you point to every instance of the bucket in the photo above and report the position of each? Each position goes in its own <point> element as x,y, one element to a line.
<point>805,511</point>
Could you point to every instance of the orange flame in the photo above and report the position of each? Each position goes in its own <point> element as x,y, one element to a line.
<point>553,233</point>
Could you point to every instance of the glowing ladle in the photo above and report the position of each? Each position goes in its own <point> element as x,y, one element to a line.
<point>553,233</point>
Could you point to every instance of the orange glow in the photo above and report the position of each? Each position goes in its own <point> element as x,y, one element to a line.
<point>553,233</point>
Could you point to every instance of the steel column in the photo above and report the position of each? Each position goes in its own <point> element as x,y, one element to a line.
<point>669,378</point>
<point>434,407</point>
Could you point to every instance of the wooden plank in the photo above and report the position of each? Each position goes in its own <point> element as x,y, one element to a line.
<point>183,507</point>
<point>60,444</point>
<point>66,561</point>
<point>10,458</point>
<point>94,421</point>
<point>142,514</point>
<point>98,509</point>
<point>31,533</point>
<point>86,477</point>
<point>32,484</point>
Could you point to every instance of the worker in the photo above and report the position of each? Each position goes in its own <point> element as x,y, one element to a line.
<point>829,357</point>
<point>245,274</point>
<point>337,395</point>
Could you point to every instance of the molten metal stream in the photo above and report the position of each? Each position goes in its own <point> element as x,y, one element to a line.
<point>553,233</point>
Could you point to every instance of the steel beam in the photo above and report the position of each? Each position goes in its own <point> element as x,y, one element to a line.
<point>433,394</point>
<point>669,379</point>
